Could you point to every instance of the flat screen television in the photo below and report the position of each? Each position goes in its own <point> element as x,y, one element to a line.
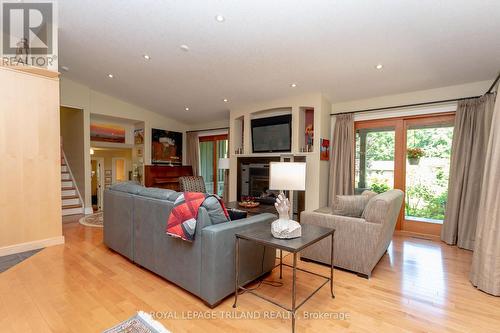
<point>273,134</point>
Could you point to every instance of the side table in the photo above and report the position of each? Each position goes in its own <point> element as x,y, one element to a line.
<point>311,234</point>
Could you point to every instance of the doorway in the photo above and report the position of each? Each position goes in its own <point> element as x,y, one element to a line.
<point>97,183</point>
<point>411,154</point>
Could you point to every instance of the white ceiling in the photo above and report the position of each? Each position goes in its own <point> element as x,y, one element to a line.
<point>264,45</point>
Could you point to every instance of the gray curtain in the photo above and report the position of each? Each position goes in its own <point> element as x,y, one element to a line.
<point>468,152</point>
<point>193,152</point>
<point>485,273</point>
<point>342,161</point>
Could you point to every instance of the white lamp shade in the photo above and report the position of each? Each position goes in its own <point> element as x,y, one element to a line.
<point>287,176</point>
<point>224,163</point>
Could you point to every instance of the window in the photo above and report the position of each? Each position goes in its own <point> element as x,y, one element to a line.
<point>375,159</point>
<point>211,149</point>
<point>412,154</point>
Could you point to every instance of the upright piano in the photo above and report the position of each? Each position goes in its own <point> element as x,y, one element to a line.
<point>164,176</point>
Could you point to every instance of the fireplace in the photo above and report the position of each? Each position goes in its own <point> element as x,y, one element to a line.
<point>256,179</point>
<point>253,179</point>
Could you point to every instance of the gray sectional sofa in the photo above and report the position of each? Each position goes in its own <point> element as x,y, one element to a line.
<point>135,219</point>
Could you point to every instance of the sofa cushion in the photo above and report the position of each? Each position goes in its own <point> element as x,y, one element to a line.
<point>127,187</point>
<point>324,210</point>
<point>159,193</point>
<point>351,205</point>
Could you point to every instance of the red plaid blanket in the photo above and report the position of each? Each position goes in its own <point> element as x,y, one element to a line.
<point>182,220</point>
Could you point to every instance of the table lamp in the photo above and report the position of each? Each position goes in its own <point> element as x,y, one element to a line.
<point>224,164</point>
<point>286,176</point>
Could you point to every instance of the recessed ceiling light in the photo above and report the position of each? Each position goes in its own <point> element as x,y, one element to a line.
<point>147,57</point>
<point>379,66</point>
<point>220,18</point>
<point>187,109</point>
<point>225,100</point>
<point>184,47</point>
<point>110,76</point>
<point>293,85</point>
<point>65,68</point>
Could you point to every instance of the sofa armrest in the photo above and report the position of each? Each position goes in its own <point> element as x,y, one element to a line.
<point>218,257</point>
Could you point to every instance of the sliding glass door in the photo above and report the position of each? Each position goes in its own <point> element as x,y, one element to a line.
<point>211,149</point>
<point>426,176</point>
<point>412,154</point>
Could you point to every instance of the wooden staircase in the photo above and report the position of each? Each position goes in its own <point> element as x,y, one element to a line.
<point>71,203</point>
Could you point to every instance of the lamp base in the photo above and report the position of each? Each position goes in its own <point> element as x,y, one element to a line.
<point>286,229</point>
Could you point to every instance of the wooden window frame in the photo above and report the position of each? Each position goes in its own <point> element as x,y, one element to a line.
<point>400,125</point>
<point>214,139</point>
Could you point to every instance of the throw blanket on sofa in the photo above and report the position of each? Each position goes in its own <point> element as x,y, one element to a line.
<point>182,220</point>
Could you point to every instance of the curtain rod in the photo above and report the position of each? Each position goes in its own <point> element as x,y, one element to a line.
<point>406,105</point>
<point>493,84</point>
<point>489,91</point>
<point>209,129</point>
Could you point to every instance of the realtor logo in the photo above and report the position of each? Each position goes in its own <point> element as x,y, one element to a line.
<point>27,30</point>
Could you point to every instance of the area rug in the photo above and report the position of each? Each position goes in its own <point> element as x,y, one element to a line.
<point>94,220</point>
<point>11,260</point>
<point>140,323</point>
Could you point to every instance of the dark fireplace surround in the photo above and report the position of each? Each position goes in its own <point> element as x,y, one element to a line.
<point>253,179</point>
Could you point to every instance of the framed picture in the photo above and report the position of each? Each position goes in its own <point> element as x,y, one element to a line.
<point>166,147</point>
<point>107,180</point>
<point>107,173</point>
<point>107,133</point>
<point>139,136</point>
<point>324,150</point>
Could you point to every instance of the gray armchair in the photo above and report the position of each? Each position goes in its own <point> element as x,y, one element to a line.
<point>359,242</point>
<point>192,184</point>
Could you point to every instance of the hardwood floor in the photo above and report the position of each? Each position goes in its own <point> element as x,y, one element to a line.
<point>418,286</point>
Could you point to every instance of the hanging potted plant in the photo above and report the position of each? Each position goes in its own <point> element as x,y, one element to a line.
<point>414,155</point>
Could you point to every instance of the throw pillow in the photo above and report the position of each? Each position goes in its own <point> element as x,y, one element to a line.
<point>215,210</point>
<point>236,214</point>
<point>351,205</point>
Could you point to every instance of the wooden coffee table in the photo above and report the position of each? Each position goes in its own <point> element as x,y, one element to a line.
<point>311,234</point>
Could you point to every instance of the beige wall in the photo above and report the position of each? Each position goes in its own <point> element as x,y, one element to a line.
<point>30,194</point>
<point>420,96</point>
<point>73,143</point>
<point>224,123</point>
<point>74,94</point>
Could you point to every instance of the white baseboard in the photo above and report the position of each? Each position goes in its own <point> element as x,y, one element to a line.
<point>29,246</point>
<point>88,210</point>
